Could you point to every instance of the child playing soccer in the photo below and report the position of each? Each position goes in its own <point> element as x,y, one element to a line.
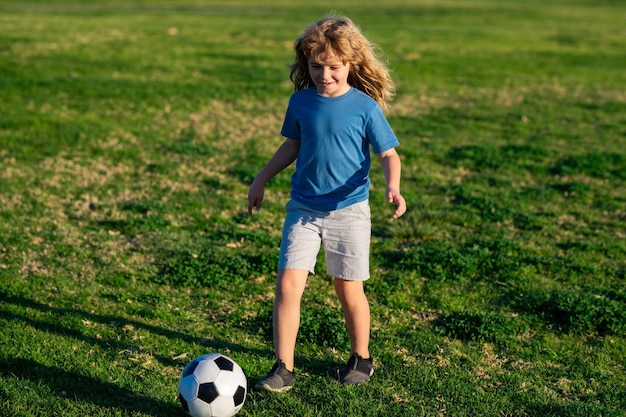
<point>333,117</point>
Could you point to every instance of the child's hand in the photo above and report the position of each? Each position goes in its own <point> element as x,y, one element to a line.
<point>391,164</point>
<point>255,196</point>
<point>394,197</point>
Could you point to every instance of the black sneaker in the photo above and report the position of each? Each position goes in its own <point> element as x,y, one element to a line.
<point>357,371</point>
<point>279,379</point>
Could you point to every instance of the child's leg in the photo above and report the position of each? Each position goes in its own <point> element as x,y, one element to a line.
<point>290,286</point>
<point>356,311</point>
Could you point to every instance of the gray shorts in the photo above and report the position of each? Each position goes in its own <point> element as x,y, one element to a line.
<point>345,233</point>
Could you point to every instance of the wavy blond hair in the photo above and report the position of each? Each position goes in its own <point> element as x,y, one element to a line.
<point>340,37</point>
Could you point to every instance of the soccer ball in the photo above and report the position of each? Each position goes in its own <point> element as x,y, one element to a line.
<point>212,385</point>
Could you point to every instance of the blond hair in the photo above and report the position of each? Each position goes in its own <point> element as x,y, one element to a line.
<point>340,37</point>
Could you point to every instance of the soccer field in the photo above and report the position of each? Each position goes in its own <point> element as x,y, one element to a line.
<point>131,130</point>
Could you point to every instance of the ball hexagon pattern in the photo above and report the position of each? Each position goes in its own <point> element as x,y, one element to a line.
<point>212,385</point>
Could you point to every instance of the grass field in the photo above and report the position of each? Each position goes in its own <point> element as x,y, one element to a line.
<point>130,130</point>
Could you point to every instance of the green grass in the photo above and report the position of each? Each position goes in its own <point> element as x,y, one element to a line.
<point>129,132</point>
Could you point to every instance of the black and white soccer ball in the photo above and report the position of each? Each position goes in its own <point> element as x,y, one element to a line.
<point>212,385</point>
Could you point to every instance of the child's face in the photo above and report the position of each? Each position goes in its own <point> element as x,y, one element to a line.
<point>330,77</point>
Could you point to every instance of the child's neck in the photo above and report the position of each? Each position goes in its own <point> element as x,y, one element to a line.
<point>335,94</point>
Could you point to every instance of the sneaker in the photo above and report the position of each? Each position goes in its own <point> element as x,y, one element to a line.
<point>357,371</point>
<point>279,379</point>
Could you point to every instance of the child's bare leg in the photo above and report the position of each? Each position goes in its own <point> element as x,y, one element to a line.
<point>356,310</point>
<point>290,286</point>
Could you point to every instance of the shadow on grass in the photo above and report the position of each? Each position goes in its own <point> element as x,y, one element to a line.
<point>487,327</point>
<point>573,310</point>
<point>76,387</point>
<point>85,388</point>
<point>58,313</point>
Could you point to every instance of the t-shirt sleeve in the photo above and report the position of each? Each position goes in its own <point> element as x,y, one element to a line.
<point>291,127</point>
<point>379,132</point>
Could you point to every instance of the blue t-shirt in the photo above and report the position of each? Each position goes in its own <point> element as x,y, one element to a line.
<point>335,133</point>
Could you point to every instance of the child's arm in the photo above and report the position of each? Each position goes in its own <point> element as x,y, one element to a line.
<point>390,161</point>
<point>284,156</point>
